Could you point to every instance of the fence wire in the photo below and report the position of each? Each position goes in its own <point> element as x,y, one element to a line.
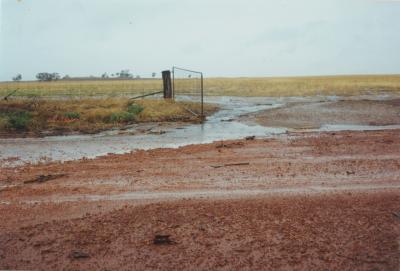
<point>188,85</point>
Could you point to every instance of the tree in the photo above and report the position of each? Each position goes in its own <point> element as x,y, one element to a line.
<point>56,76</point>
<point>66,77</point>
<point>45,76</point>
<point>125,74</point>
<point>104,75</point>
<point>153,74</point>
<point>17,78</point>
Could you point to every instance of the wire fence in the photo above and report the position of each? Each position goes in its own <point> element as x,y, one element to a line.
<point>82,88</point>
<point>188,85</point>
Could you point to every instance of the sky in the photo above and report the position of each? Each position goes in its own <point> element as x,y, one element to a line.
<point>217,37</point>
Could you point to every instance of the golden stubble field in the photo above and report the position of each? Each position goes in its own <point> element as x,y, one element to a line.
<point>262,86</point>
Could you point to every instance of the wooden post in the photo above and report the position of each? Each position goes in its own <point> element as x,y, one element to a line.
<point>166,75</point>
<point>202,98</point>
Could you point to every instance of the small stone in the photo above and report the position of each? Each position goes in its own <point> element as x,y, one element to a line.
<point>79,255</point>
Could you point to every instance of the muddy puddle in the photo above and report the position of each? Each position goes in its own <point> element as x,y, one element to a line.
<point>223,125</point>
<point>372,113</point>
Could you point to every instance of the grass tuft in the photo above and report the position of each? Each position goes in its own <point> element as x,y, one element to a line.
<point>122,117</point>
<point>135,109</point>
<point>19,120</point>
<point>72,115</point>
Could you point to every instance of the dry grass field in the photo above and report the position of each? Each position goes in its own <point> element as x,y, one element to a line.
<point>303,86</point>
<point>50,116</point>
<point>265,86</point>
<point>110,88</point>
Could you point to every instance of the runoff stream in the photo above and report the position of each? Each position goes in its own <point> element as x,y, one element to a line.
<point>222,125</point>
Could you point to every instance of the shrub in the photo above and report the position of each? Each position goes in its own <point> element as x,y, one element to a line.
<point>19,120</point>
<point>3,123</point>
<point>72,115</point>
<point>122,117</point>
<point>135,109</point>
<point>126,116</point>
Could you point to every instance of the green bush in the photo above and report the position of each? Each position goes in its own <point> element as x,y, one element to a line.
<point>135,109</point>
<point>19,120</point>
<point>122,117</point>
<point>3,123</point>
<point>72,115</point>
<point>126,116</point>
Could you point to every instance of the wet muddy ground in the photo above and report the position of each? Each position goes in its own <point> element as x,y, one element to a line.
<point>347,113</point>
<point>328,232</point>
<point>294,201</point>
<point>286,199</point>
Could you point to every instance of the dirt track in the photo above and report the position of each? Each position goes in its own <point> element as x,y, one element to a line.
<point>308,201</point>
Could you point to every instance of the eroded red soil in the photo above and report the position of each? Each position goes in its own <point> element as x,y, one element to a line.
<point>333,204</point>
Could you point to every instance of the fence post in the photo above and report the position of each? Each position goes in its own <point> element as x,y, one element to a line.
<point>166,75</point>
<point>202,98</point>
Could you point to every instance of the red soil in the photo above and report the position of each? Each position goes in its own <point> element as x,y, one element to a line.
<point>333,203</point>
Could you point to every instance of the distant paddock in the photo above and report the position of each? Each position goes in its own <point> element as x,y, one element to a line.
<point>261,86</point>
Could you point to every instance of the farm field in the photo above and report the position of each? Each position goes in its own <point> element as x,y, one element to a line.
<point>262,86</point>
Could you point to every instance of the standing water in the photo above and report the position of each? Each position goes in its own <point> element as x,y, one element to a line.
<point>220,126</point>
<point>223,125</point>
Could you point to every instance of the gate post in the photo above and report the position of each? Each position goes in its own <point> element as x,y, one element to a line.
<point>166,75</point>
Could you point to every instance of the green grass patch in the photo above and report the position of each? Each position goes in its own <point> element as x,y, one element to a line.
<point>122,117</point>
<point>135,109</point>
<point>72,115</point>
<point>3,123</point>
<point>18,120</point>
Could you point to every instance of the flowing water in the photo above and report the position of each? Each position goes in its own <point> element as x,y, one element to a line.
<point>223,125</point>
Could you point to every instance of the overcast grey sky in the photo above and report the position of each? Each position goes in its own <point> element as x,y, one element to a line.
<point>218,37</point>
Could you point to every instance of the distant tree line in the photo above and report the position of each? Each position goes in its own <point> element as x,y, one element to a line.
<point>46,76</point>
<point>124,74</point>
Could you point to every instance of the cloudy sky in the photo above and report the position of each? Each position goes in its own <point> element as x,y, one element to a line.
<point>218,37</point>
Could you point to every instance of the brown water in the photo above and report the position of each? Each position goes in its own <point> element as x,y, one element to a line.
<point>223,125</point>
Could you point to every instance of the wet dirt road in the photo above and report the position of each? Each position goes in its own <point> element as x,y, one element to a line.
<point>305,201</point>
